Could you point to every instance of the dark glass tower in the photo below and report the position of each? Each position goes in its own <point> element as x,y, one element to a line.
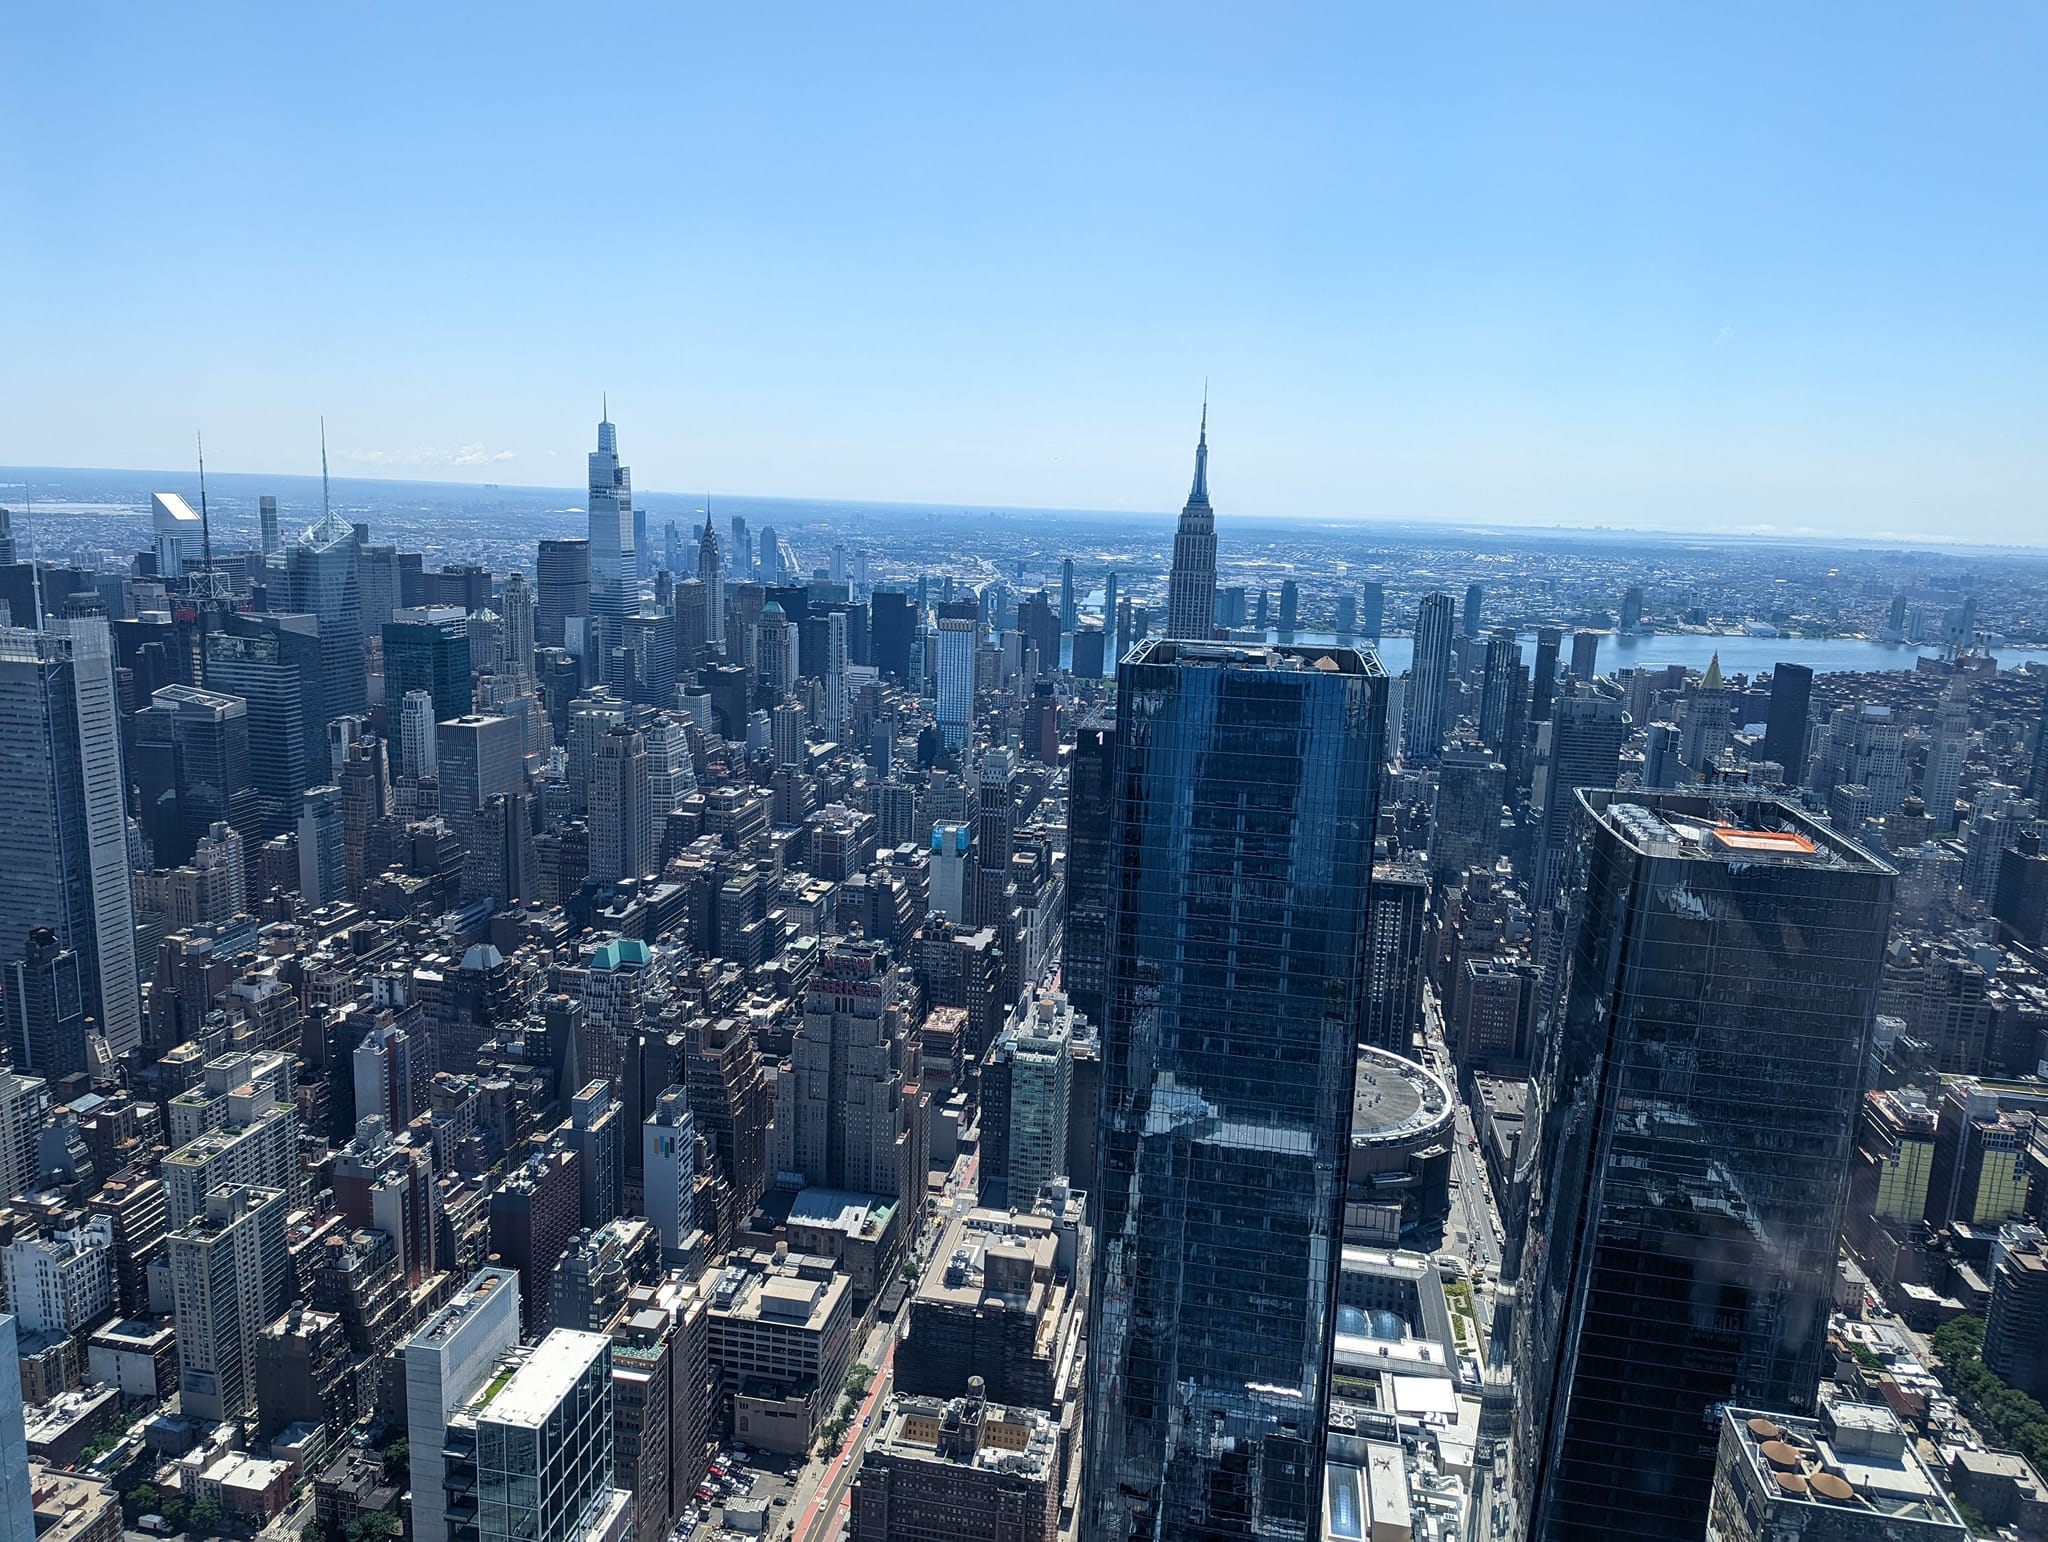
<point>1244,796</point>
<point>1785,726</point>
<point>273,663</point>
<point>1695,1112</point>
<point>1084,964</point>
<point>428,650</point>
<point>561,588</point>
<point>894,623</point>
<point>1426,714</point>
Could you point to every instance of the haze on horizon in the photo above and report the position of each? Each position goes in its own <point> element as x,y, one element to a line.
<point>1729,270</point>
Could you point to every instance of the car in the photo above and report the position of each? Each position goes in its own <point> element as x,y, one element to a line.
<point>865,1422</point>
<point>781,1499</point>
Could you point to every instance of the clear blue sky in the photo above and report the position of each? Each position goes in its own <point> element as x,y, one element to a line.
<point>1641,264</point>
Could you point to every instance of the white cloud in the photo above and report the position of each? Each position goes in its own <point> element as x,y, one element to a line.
<point>462,455</point>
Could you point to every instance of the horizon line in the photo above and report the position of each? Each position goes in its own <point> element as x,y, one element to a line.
<point>1902,541</point>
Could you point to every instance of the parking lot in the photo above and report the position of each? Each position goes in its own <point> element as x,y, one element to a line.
<point>754,1475</point>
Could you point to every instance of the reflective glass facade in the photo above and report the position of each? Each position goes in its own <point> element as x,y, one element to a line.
<point>1244,793</point>
<point>1694,1110</point>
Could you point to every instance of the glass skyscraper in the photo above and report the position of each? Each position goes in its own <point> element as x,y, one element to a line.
<point>1695,1110</point>
<point>1244,794</point>
<point>1426,716</point>
<point>64,846</point>
<point>614,572</point>
<point>322,581</point>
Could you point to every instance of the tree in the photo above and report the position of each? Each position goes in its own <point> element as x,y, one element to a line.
<point>377,1526</point>
<point>313,1531</point>
<point>209,1517</point>
<point>398,1462</point>
<point>142,1499</point>
<point>859,1377</point>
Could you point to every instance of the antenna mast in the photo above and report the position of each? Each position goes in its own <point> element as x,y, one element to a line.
<point>323,470</point>
<point>205,526</point>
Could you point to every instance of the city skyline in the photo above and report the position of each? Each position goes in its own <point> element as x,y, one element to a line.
<point>1485,980</point>
<point>1616,268</point>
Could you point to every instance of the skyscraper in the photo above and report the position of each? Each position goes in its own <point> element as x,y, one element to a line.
<point>266,514</point>
<point>1069,614</point>
<point>668,1167</point>
<point>1475,603</point>
<point>1245,791</point>
<point>614,559</point>
<point>711,574</point>
<point>427,649</point>
<point>1191,585</point>
<point>64,843</point>
<point>1091,822</point>
<point>230,1275</point>
<point>621,823</point>
<point>45,999</point>
<point>2037,773</point>
<point>1785,725</point>
<point>192,769</point>
<point>1372,612</point>
<point>1579,747</point>
<point>956,680</point>
<point>894,621</point>
<point>561,580</point>
<point>850,1112</point>
<point>1426,715</point>
<point>1947,751</point>
<point>1543,679</point>
<point>445,1362</point>
<point>321,580</point>
<point>1703,721</point>
<point>1501,694</point>
<point>541,1435</point>
<point>18,1507</point>
<point>1585,655</point>
<point>273,663</point>
<point>417,722</point>
<point>1695,1110</point>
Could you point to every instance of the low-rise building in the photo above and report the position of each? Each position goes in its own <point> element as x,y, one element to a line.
<point>61,1429</point>
<point>1852,1475</point>
<point>781,1341</point>
<point>70,1507</point>
<point>999,1305</point>
<point>350,1487</point>
<point>137,1355</point>
<point>2001,1487</point>
<point>964,1469</point>
<point>253,1489</point>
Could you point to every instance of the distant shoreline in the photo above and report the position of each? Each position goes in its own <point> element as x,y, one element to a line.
<point>237,488</point>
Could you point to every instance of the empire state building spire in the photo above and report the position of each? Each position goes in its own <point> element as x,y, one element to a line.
<point>1191,585</point>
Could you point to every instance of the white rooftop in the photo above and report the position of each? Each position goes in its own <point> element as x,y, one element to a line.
<point>548,1373</point>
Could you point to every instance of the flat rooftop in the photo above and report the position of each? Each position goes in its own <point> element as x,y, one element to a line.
<point>1394,1099</point>
<point>467,1303</point>
<point>1188,653</point>
<point>1854,1457</point>
<point>1703,827</point>
<point>542,1376</point>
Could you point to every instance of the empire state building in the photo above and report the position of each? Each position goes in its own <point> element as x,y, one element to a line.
<point>1191,586</point>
